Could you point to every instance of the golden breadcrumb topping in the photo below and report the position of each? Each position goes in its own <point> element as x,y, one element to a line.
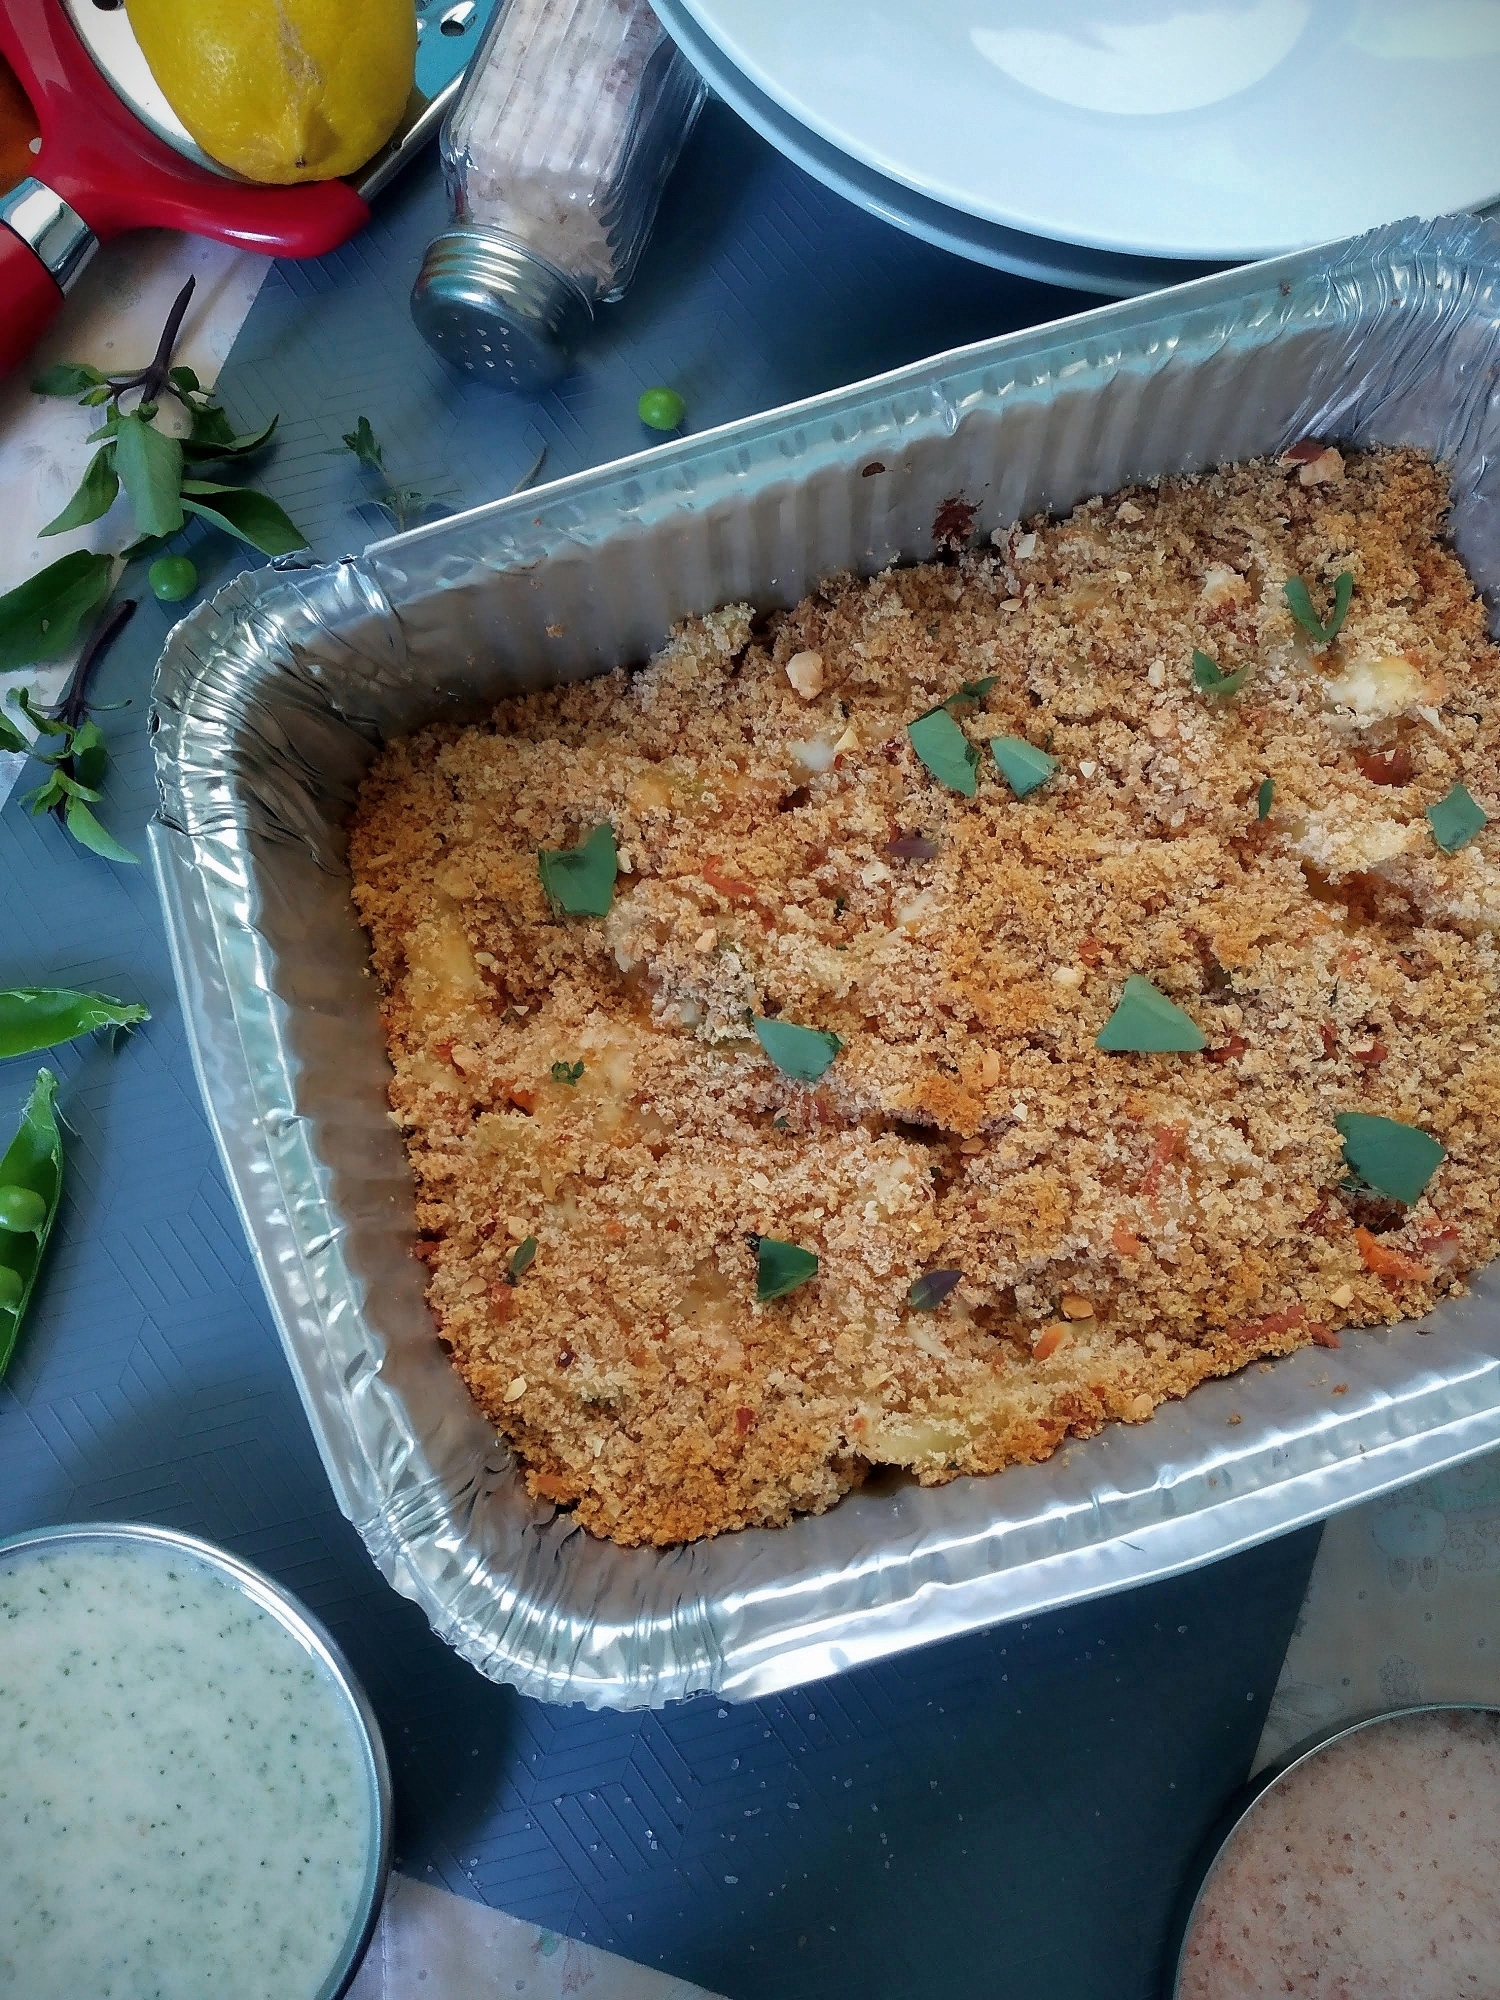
<point>1125,1224</point>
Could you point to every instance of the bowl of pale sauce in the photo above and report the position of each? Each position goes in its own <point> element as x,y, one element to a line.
<point>1366,1865</point>
<point>194,1797</point>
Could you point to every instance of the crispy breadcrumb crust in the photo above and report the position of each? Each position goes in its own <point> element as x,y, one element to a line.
<point>1126,1225</point>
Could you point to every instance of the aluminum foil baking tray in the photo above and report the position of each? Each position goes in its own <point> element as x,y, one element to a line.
<point>269,703</point>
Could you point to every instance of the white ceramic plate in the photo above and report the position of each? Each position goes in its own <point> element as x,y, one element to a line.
<point>948,228</point>
<point>1215,129</point>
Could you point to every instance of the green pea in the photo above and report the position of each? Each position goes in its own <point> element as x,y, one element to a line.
<point>10,1288</point>
<point>661,409</point>
<point>172,578</point>
<point>21,1211</point>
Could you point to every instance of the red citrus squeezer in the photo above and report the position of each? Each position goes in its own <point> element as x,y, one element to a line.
<point>100,169</point>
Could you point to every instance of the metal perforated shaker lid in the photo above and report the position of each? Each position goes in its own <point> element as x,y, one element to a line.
<point>487,304</point>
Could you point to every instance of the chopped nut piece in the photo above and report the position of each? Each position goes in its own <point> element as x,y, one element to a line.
<point>1047,1342</point>
<point>516,1390</point>
<point>805,672</point>
<point>1223,586</point>
<point>1316,463</point>
<point>1072,1306</point>
<point>706,940</point>
<point>1326,469</point>
<point>1129,513</point>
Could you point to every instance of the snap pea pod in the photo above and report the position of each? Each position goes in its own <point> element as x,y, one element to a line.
<point>31,1177</point>
<point>39,1017</point>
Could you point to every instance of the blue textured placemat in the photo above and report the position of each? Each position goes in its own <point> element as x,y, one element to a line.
<point>999,1815</point>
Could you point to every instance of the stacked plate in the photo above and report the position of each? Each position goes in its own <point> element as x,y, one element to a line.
<point>1118,145</point>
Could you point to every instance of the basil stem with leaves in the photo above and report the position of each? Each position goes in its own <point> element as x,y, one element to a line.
<point>157,469</point>
<point>39,1017</point>
<point>31,1180</point>
<point>78,757</point>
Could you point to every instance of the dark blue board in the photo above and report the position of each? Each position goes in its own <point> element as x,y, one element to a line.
<point>1003,1815</point>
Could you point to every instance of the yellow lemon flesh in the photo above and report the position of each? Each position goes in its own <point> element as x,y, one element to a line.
<point>282,90</point>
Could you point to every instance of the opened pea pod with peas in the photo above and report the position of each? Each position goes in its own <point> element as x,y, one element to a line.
<point>31,1170</point>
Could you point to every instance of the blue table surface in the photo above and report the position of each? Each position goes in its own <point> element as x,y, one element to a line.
<point>1004,1814</point>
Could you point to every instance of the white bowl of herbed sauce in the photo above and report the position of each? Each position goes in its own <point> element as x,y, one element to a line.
<point>194,1797</point>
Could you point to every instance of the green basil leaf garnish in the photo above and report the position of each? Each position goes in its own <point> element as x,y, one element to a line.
<point>89,832</point>
<point>1146,1022</point>
<point>568,1073</point>
<point>1393,1158</point>
<point>214,437</point>
<point>581,880</point>
<point>95,495</point>
<point>1263,798</point>
<point>803,1053</point>
<point>41,618</point>
<point>149,464</point>
<point>927,1293</point>
<point>251,517</point>
<point>1022,765</point>
<point>946,751</point>
<point>1456,819</point>
<point>1299,603</point>
<point>521,1260</point>
<point>39,1017</point>
<point>1210,681</point>
<point>31,1173</point>
<point>780,1268</point>
<point>971,691</point>
<point>67,378</point>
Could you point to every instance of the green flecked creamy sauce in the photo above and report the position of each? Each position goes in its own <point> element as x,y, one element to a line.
<point>184,1800</point>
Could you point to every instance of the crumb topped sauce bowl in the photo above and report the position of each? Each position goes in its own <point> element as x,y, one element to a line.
<point>194,1796</point>
<point>1364,1863</point>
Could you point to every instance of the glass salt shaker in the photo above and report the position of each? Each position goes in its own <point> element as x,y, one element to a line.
<point>555,153</point>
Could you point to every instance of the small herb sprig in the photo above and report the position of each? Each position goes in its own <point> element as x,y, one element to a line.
<point>43,618</point>
<point>159,470</point>
<point>71,745</point>
<point>403,506</point>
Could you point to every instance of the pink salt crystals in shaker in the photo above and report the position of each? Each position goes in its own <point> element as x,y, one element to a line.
<point>555,153</point>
